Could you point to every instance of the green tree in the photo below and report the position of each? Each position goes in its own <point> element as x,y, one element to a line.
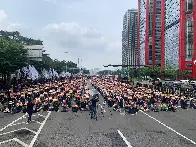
<point>155,72</point>
<point>143,72</point>
<point>182,74</point>
<point>13,56</point>
<point>170,73</point>
<point>21,39</point>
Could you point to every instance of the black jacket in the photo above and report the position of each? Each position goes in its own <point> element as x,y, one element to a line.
<point>30,106</point>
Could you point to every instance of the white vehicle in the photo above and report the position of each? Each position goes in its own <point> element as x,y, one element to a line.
<point>185,82</point>
<point>193,83</point>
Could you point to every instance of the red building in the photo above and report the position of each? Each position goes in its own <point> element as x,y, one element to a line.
<point>149,20</point>
<point>178,32</point>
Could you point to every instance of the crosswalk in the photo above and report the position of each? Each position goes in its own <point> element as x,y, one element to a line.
<point>20,125</point>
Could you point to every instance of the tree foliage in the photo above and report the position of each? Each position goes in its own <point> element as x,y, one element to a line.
<point>59,66</point>
<point>13,56</point>
<point>19,38</point>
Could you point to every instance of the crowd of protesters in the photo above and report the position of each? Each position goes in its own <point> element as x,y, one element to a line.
<point>73,94</point>
<point>60,95</point>
<point>122,96</point>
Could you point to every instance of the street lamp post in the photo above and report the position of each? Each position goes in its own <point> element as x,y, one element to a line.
<point>66,62</point>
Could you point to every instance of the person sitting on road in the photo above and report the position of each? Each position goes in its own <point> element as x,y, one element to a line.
<point>65,106</point>
<point>183,102</point>
<point>75,107</point>
<point>192,103</point>
<point>145,107</point>
<point>116,106</point>
<point>164,107</point>
<point>56,104</point>
<point>155,107</point>
<point>45,106</point>
<point>132,108</point>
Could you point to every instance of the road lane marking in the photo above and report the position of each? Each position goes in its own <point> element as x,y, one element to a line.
<point>38,132</point>
<point>125,140</point>
<point>41,115</point>
<point>30,130</point>
<point>37,122</point>
<point>6,141</point>
<point>20,142</point>
<point>193,142</point>
<point>13,122</point>
<point>19,123</point>
<point>18,130</point>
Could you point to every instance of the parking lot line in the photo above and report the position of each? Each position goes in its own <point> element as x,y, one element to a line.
<point>18,130</point>
<point>193,142</point>
<point>30,130</point>
<point>42,115</point>
<point>125,140</point>
<point>40,128</point>
<point>6,141</point>
<point>20,142</point>
<point>19,123</point>
<point>13,122</point>
<point>37,122</point>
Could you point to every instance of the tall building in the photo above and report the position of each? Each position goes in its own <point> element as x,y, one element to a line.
<point>179,46</point>
<point>166,34</point>
<point>149,24</point>
<point>130,38</point>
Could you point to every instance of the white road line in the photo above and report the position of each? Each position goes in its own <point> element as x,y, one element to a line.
<point>125,140</point>
<point>18,130</point>
<point>36,122</point>
<point>13,122</point>
<point>6,141</point>
<point>41,115</point>
<point>30,130</point>
<point>169,128</point>
<point>20,142</point>
<point>19,123</point>
<point>40,128</point>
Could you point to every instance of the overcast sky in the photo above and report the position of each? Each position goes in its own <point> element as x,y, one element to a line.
<point>88,29</point>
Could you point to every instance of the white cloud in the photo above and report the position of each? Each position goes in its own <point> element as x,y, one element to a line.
<point>73,36</point>
<point>6,25</point>
<point>84,42</point>
<point>80,42</point>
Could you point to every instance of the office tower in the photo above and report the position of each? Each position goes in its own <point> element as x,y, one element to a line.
<point>130,38</point>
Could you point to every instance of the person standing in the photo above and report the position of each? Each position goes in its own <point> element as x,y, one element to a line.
<point>94,101</point>
<point>30,105</point>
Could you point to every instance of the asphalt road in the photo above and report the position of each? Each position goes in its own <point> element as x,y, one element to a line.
<point>68,129</point>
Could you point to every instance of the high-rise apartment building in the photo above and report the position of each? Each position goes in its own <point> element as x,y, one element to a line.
<point>130,38</point>
<point>179,43</point>
<point>149,20</point>
<point>167,29</point>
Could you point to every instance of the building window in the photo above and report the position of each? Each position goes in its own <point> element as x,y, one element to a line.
<point>189,6</point>
<point>188,65</point>
<point>189,38</point>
